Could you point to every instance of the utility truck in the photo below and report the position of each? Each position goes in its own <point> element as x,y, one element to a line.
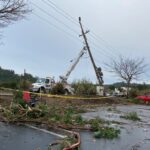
<point>45,85</point>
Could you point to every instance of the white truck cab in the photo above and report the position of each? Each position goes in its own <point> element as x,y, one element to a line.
<point>43,85</point>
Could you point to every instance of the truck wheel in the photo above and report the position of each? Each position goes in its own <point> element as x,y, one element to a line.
<point>42,90</point>
<point>66,92</point>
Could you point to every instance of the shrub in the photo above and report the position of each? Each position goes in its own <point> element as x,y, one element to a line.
<point>58,89</point>
<point>79,119</point>
<point>131,116</point>
<point>67,142</point>
<point>40,111</point>
<point>18,94</point>
<point>107,132</point>
<point>24,85</point>
<point>19,99</point>
<point>133,93</point>
<point>12,85</point>
<point>84,87</point>
<point>135,101</point>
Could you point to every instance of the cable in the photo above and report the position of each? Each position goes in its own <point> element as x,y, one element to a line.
<point>60,11</point>
<point>50,23</point>
<point>95,45</point>
<point>62,29</point>
<point>107,44</point>
<point>68,27</point>
<point>70,18</point>
<point>103,50</point>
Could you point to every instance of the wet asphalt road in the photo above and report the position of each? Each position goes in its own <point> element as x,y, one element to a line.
<point>134,135</point>
<point>22,138</point>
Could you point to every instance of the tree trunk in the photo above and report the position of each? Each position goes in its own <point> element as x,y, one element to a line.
<point>128,88</point>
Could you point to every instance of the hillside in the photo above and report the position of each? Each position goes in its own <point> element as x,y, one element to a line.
<point>8,78</point>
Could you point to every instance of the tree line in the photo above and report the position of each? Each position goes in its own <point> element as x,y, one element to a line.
<point>9,79</point>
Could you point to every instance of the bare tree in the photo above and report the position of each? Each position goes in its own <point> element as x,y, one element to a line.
<point>12,10</point>
<point>127,69</point>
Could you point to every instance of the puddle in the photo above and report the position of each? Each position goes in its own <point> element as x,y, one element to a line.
<point>134,135</point>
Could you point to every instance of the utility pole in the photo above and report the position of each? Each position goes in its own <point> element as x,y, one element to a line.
<point>24,79</point>
<point>98,75</point>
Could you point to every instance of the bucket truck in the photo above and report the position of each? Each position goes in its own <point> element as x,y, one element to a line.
<point>46,84</point>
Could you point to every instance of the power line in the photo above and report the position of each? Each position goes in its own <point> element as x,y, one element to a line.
<point>102,50</point>
<point>107,44</point>
<point>70,18</point>
<point>68,27</point>
<point>61,11</point>
<point>57,27</point>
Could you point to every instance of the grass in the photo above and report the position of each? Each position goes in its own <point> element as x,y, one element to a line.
<point>79,120</point>
<point>67,142</point>
<point>135,101</point>
<point>107,133</point>
<point>97,123</point>
<point>131,116</point>
<point>113,109</point>
<point>55,115</point>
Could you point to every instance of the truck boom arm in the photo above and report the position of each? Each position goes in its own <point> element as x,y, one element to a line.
<point>72,67</point>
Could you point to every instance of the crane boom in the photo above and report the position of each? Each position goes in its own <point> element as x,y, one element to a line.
<point>72,67</point>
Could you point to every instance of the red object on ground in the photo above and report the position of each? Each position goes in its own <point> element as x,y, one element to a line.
<point>26,96</point>
<point>144,98</point>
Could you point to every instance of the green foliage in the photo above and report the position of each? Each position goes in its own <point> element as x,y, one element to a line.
<point>44,108</point>
<point>58,89</point>
<point>97,122</point>
<point>15,109</point>
<point>94,124</point>
<point>67,142</point>
<point>67,118</point>
<point>143,86</point>
<point>40,111</point>
<point>9,79</point>
<point>55,117</point>
<point>12,85</point>
<point>84,87</point>
<point>24,85</point>
<point>106,132</point>
<point>8,114</point>
<point>21,102</point>
<point>131,116</point>
<point>35,113</point>
<point>79,119</point>
<point>111,87</point>
<point>18,94</point>
<point>19,99</point>
<point>135,101</point>
<point>133,93</point>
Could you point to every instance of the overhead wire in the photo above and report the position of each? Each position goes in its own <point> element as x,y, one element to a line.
<point>47,13</point>
<point>57,27</point>
<point>107,45</point>
<point>61,23</point>
<point>60,11</point>
<point>97,47</point>
<point>102,50</point>
<point>69,17</point>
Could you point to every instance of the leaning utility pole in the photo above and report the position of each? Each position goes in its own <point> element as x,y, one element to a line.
<point>100,80</point>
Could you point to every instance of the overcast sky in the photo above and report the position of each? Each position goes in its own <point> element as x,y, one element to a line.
<point>45,47</point>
